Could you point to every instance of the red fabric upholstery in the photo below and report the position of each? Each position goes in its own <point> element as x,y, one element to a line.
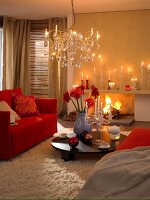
<point>6,95</point>
<point>5,137</point>
<point>30,130</point>
<point>45,105</point>
<point>138,137</point>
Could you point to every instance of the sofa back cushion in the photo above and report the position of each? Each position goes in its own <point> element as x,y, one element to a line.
<point>6,95</point>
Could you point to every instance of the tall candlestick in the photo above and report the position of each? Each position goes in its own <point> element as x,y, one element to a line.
<point>99,103</point>
<point>56,29</point>
<point>97,36</point>
<point>86,110</point>
<point>109,75</point>
<point>95,111</point>
<point>46,33</point>
<point>142,75</point>
<point>91,31</point>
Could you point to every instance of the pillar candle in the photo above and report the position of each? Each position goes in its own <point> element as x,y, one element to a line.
<point>95,111</point>
<point>98,103</point>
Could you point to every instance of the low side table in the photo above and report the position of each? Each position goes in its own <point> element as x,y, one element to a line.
<point>68,153</point>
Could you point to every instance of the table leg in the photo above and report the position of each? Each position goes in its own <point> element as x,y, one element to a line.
<point>66,156</point>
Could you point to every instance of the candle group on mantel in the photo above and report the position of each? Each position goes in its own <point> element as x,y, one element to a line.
<point>122,79</point>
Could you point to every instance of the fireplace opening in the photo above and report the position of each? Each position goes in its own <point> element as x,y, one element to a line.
<point>122,108</point>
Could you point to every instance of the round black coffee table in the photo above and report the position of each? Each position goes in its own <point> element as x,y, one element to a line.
<point>68,153</point>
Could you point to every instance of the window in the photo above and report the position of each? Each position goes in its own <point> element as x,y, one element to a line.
<point>39,65</point>
<point>1,53</point>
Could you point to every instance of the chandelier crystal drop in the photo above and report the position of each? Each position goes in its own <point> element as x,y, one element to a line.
<point>71,48</point>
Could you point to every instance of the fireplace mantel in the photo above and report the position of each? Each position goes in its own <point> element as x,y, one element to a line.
<point>138,92</point>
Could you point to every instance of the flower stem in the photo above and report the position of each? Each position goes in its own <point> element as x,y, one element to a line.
<point>78,105</point>
<point>81,104</point>
<point>74,104</point>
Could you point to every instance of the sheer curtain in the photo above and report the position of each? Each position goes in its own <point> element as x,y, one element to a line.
<point>57,74</point>
<point>16,70</point>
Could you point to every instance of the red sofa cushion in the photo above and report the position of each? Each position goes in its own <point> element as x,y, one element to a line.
<point>25,105</point>
<point>32,130</point>
<point>6,95</point>
<point>138,137</point>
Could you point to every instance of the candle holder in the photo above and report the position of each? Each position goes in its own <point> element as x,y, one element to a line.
<point>87,85</point>
<point>108,84</point>
<point>148,78</point>
<point>111,85</point>
<point>127,87</point>
<point>98,120</point>
<point>133,83</point>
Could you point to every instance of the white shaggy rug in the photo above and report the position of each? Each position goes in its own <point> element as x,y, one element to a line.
<point>39,173</point>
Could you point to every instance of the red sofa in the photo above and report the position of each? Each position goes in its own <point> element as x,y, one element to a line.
<point>30,130</point>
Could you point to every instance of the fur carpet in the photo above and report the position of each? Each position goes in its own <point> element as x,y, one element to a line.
<point>39,173</point>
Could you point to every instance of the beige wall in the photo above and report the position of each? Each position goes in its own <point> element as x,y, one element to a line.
<point>125,40</point>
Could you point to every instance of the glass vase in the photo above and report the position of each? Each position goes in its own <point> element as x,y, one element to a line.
<point>81,125</point>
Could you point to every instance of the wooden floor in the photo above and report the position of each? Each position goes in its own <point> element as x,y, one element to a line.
<point>69,124</point>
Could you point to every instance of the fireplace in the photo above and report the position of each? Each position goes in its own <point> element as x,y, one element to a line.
<point>122,107</point>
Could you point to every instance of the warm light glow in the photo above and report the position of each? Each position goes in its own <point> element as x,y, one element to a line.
<point>117,105</point>
<point>106,109</point>
<point>108,104</point>
<point>46,33</point>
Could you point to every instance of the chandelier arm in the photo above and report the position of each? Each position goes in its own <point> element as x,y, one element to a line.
<point>73,14</point>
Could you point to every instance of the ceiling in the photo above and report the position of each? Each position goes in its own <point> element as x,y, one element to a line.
<point>43,9</point>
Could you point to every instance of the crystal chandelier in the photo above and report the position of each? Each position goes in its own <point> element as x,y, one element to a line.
<point>69,47</point>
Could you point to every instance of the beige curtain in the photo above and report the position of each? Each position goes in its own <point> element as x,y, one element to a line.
<point>57,74</point>
<point>16,71</point>
<point>8,67</point>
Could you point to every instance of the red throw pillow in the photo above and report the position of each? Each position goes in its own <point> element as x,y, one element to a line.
<point>25,105</point>
<point>138,137</point>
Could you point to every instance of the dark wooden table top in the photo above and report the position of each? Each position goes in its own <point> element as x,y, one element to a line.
<point>62,144</point>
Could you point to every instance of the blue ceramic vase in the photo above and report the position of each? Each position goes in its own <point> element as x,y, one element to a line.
<point>81,125</point>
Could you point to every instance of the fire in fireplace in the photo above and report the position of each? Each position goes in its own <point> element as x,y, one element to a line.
<point>121,105</point>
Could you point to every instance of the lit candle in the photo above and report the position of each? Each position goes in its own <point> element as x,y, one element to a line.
<point>111,85</point>
<point>109,75</point>
<point>99,103</point>
<point>46,33</point>
<point>94,71</point>
<point>142,64</point>
<point>82,76</point>
<point>133,83</point>
<point>91,31</point>
<point>97,35</point>
<point>129,72</point>
<point>86,110</point>
<point>148,67</point>
<point>56,29</point>
<point>100,57</point>
<point>121,69</point>
<point>87,77</point>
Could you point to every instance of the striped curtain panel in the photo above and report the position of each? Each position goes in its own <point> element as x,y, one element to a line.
<point>39,75</point>
<point>48,79</point>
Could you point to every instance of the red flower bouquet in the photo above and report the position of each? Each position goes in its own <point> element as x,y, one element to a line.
<point>75,95</point>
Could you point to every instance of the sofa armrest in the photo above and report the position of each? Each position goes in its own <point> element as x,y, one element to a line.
<point>5,136</point>
<point>47,105</point>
